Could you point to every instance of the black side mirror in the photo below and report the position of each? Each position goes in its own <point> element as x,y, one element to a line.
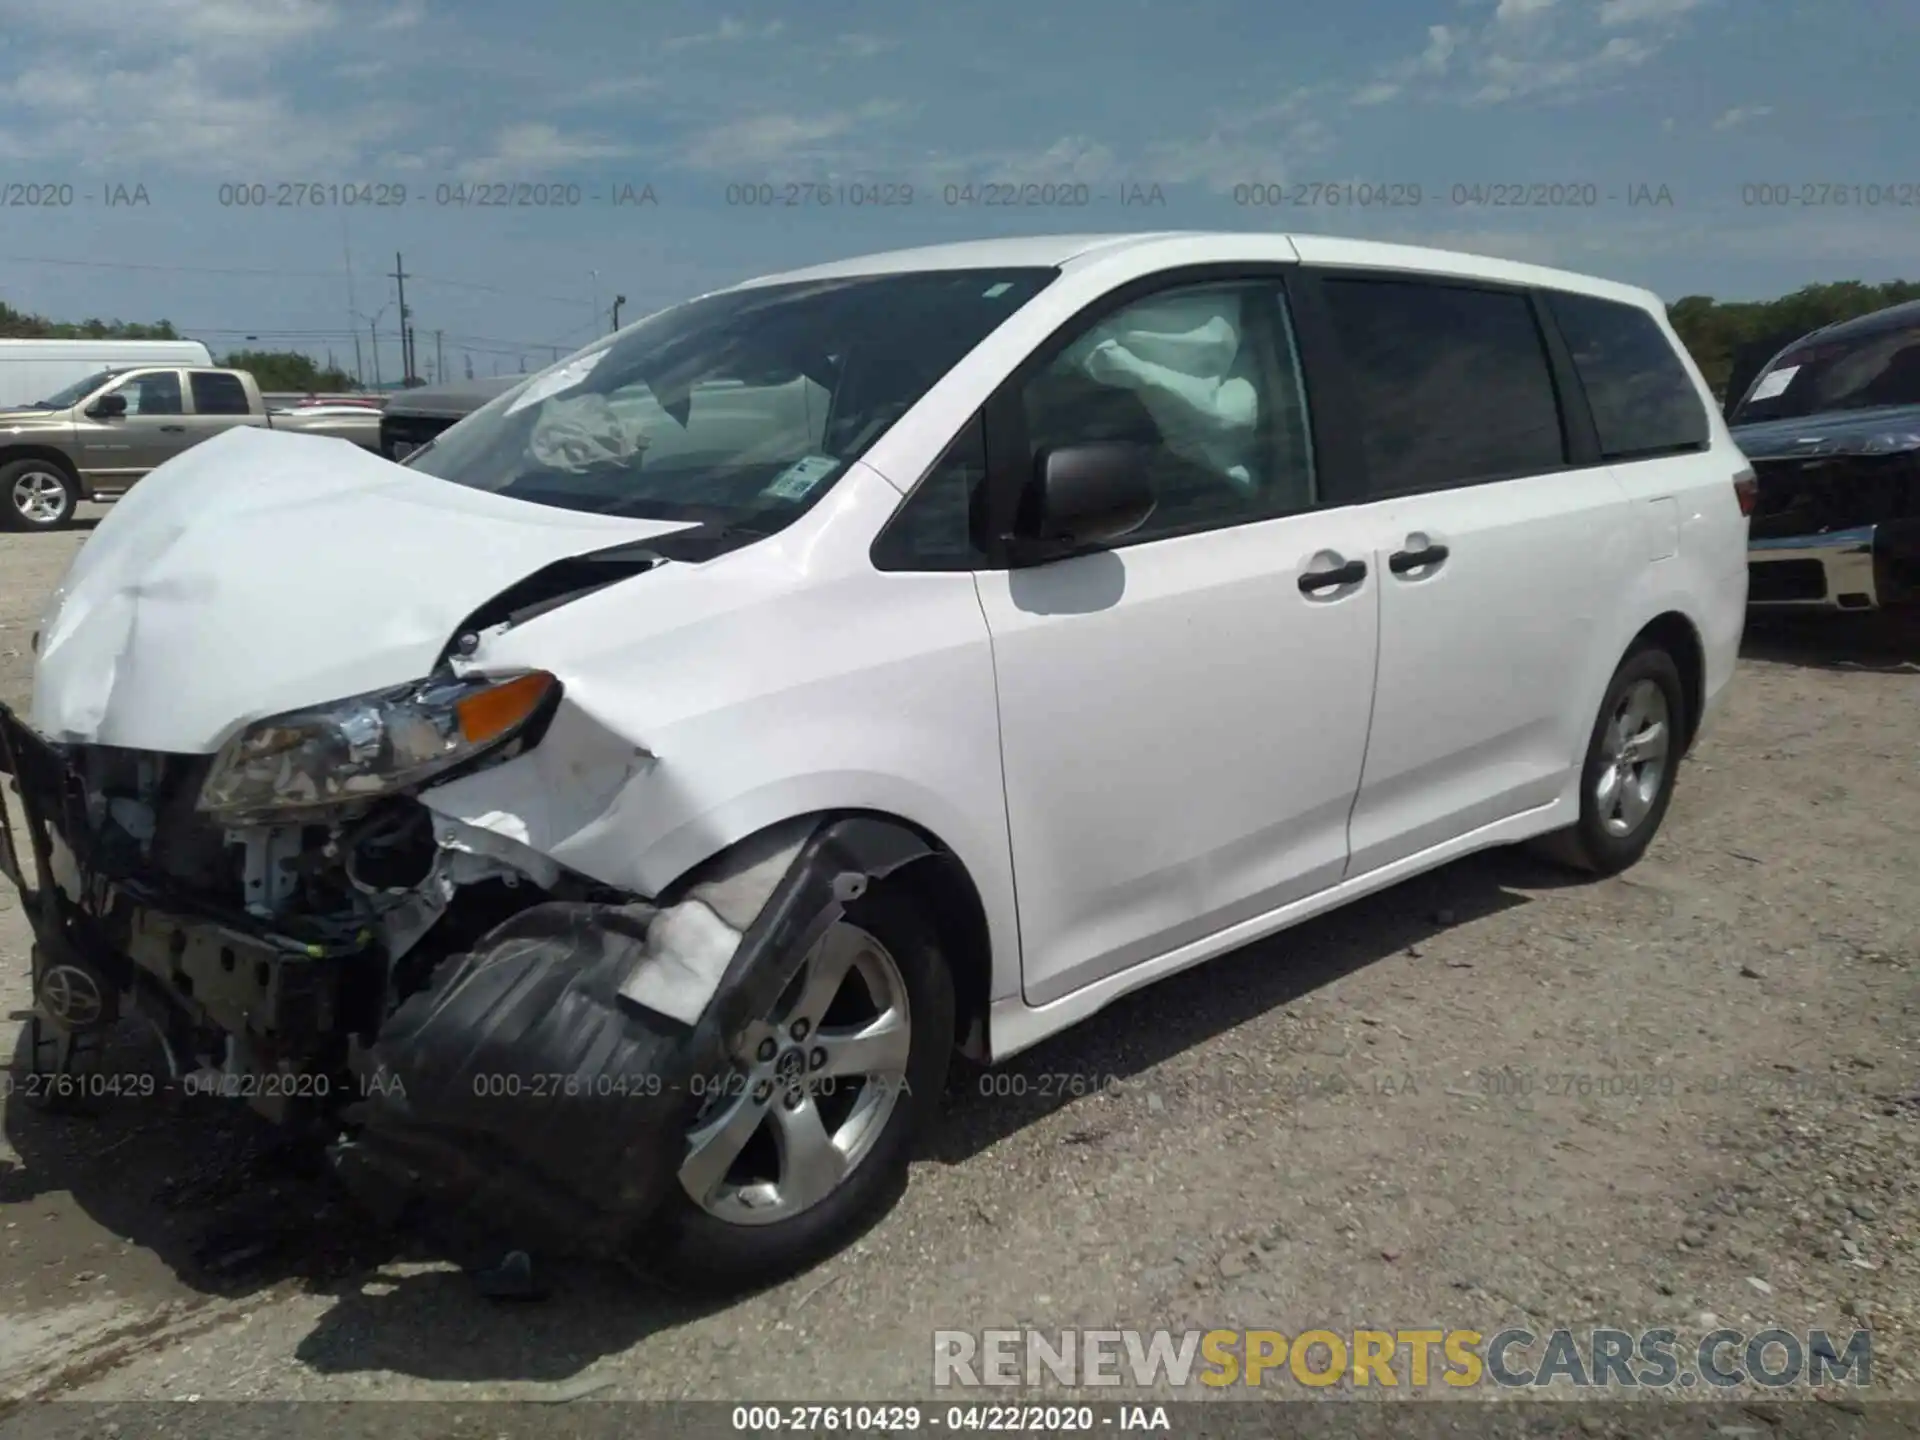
<point>108,407</point>
<point>1081,496</point>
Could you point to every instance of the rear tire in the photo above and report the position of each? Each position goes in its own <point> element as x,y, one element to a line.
<point>694,1248</point>
<point>36,495</point>
<point>1626,780</point>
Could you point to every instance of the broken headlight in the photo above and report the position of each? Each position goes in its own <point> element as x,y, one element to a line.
<point>366,747</point>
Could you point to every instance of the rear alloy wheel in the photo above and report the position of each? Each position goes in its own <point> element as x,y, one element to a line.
<point>1627,780</point>
<point>38,495</point>
<point>810,1133</point>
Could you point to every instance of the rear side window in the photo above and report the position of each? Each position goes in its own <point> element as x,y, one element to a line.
<point>1452,383</point>
<point>219,394</point>
<point>1643,401</point>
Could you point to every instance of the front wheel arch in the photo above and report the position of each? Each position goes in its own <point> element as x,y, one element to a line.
<point>919,861</point>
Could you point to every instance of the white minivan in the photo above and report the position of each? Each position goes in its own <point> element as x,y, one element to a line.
<point>622,811</point>
<point>31,371</point>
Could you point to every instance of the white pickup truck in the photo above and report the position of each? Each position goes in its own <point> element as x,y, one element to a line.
<point>99,435</point>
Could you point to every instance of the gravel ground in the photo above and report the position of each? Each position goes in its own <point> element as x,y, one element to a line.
<point>1686,1096</point>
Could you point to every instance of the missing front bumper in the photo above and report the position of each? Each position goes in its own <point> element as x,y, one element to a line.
<point>547,1074</point>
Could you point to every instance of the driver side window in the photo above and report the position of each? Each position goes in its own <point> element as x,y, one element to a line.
<point>155,393</point>
<point>1207,379</point>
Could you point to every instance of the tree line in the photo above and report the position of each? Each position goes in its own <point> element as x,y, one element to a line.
<point>275,370</point>
<point>1729,340</point>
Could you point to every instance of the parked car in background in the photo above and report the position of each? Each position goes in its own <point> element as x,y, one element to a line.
<point>31,369</point>
<point>1832,426</point>
<point>628,805</point>
<point>413,418</point>
<point>358,421</point>
<point>99,435</point>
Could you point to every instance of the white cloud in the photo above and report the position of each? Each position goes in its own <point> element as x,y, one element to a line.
<point>1634,12</point>
<point>1441,43</point>
<point>1527,49</point>
<point>1740,115</point>
<point>536,148</point>
<point>188,112</point>
<point>1265,145</point>
<point>1433,61</point>
<point>728,32</point>
<point>177,23</point>
<point>863,47</point>
<point>618,87</point>
<point>403,16</point>
<point>1262,144</point>
<point>751,144</point>
<point>1510,77</point>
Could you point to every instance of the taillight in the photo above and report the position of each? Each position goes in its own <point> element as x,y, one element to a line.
<point>1746,487</point>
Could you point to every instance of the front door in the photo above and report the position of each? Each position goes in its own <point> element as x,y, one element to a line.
<point>118,451</point>
<point>1183,716</point>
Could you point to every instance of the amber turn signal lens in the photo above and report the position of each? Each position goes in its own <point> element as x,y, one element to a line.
<point>494,711</point>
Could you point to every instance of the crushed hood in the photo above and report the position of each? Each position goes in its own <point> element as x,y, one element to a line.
<point>261,572</point>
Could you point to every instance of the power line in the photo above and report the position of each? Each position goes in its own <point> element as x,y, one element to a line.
<point>280,275</point>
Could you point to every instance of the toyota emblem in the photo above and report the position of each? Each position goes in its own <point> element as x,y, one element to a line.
<point>71,997</point>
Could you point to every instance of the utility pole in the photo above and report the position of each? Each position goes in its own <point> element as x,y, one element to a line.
<point>618,301</point>
<point>406,330</point>
<point>469,355</point>
<point>346,251</point>
<point>439,357</point>
<point>411,353</point>
<point>373,331</point>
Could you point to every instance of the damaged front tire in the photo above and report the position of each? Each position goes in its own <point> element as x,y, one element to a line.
<point>807,1139</point>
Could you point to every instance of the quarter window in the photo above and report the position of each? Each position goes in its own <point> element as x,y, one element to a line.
<point>1452,383</point>
<point>1643,400</point>
<point>934,527</point>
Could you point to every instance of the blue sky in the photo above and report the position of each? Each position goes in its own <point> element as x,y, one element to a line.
<point>182,97</point>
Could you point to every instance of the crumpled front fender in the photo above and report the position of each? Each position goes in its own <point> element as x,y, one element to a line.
<point>542,1077</point>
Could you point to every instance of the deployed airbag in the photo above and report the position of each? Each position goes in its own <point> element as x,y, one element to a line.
<point>1180,355</point>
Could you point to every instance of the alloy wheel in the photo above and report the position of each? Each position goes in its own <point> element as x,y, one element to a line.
<point>40,496</point>
<point>812,1088</point>
<point>1634,756</point>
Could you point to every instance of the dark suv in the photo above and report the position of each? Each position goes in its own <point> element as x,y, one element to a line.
<point>414,417</point>
<point>1832,426</point>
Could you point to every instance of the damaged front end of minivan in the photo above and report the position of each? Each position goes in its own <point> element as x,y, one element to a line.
<point>450,1010</point>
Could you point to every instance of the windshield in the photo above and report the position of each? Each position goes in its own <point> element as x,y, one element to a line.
<point>1816,378</point>
<point>736,409</point>
<point>74,393</point>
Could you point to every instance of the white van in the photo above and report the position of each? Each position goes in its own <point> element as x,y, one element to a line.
<point>633,800</point>
<point>32,370</point>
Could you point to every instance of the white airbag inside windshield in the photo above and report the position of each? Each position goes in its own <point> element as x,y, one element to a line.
<point>582,433</point>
